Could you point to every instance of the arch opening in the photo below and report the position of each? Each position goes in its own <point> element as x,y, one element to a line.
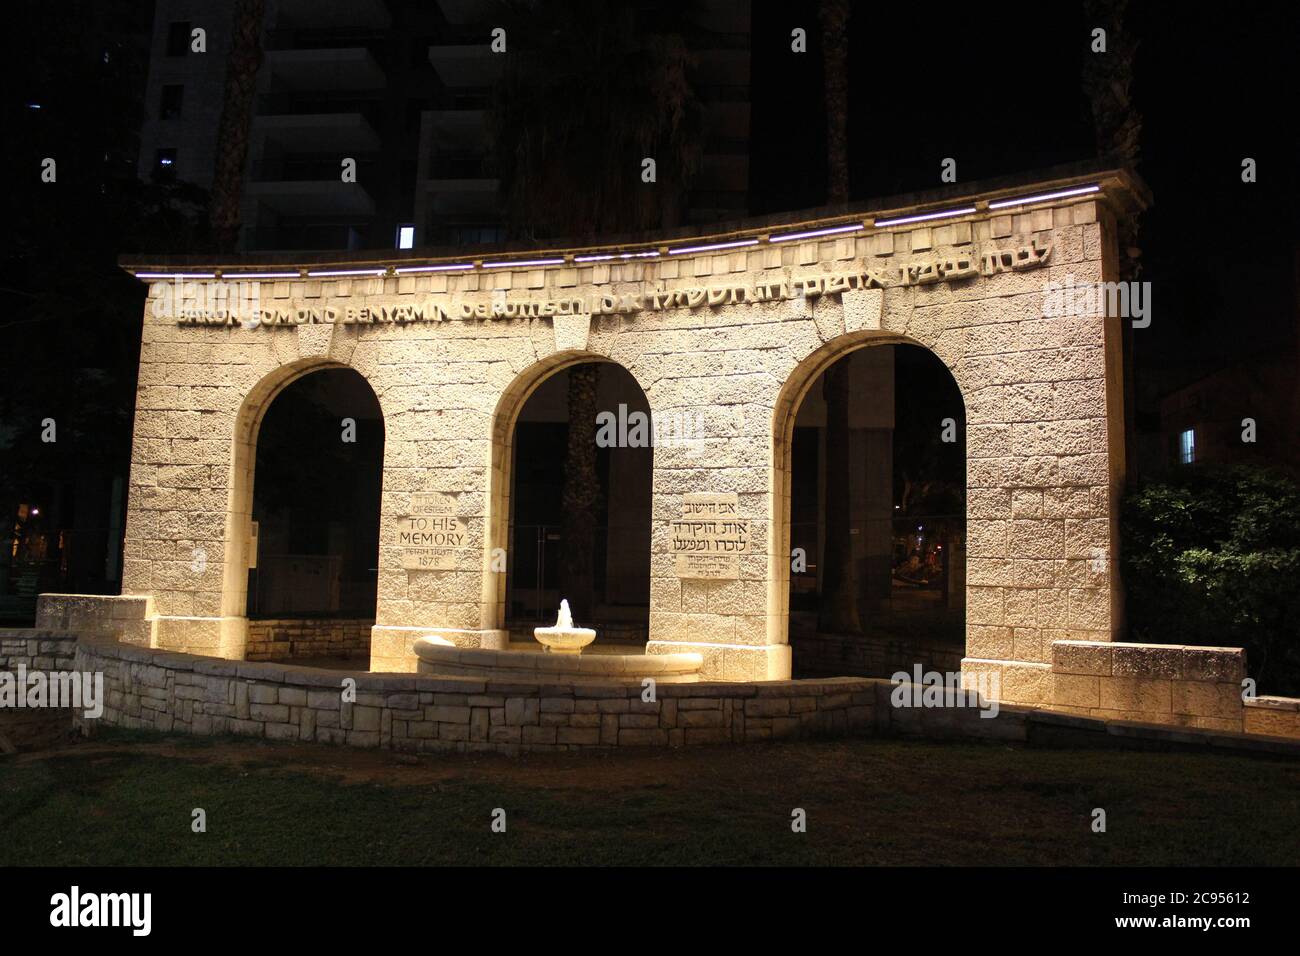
<point>574,515</point>
<point>315,481</point>
<point>871,474</point>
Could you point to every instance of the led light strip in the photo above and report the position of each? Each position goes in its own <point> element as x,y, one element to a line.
<point>926,217</point>
<point>261,275</point>
<point>328,273</point>
<point>605,257</point>
<point>521,263</point>
<point>175,275</point>
<point>1063,194</point>
<point>451,268</point>
<point>813,233</point>
<point>714,247</point>
<point>649,254</point>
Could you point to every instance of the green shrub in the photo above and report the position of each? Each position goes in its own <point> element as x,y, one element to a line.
<point>1211,556</point>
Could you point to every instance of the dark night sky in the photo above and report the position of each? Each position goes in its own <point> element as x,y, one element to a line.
<point>999,90</point>
<point>996,88</point>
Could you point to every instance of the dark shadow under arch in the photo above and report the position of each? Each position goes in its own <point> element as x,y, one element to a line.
<point>902,464</point>
<point>315,501</point>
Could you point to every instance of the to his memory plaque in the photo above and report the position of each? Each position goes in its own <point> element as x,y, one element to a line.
<point>431,536</point>
<point>709,537</point>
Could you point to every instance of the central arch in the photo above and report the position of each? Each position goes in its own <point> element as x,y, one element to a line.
<point>533,398</point>
<point>876,589</point>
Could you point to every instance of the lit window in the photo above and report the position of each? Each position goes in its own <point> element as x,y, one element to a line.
<point>1187,446</point>
<point>405,237</point>
<point>164,167</point>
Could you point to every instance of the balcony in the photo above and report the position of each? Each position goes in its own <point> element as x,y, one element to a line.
<point>452,197</point>
<point>312,237</point>
<point>462,131</point>
<point>349,68</point>
<point>466,66</point>
<point>333,13</point>
<point>343,133</point>
<point>312,197</point>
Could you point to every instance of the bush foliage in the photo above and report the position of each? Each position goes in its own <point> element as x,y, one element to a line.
<point>1211,556</point>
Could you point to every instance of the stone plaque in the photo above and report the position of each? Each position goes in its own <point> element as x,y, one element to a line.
<point>709,537</point>
<point>431,536</point>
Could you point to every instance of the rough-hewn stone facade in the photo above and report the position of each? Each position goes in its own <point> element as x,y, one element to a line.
<point>1042,392</point>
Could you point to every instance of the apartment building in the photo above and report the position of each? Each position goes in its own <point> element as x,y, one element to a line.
<point>403,90</point>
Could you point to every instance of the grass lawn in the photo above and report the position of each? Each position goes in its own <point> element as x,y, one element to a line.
<point>127,797</point>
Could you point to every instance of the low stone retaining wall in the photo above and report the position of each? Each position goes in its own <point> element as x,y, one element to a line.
<point>180,692</point>
<point>1274,716</point>
<point>416,713</point>
<point>174,692</point>
<point>1178,685</point>
<point>37,649</point>
<point>308,637</point>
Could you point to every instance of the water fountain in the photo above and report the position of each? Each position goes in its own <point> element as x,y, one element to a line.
<point>557,657</point>
<point>564,638</point>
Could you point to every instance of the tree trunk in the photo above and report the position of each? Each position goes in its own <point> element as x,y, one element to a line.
<point>581,494</point>
<point>236,122</point>
<point>1117,126</point>
<point>835,43</point>
<point>838,609</point>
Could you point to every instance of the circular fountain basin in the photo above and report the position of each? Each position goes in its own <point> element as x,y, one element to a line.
<point>442,660</point>
<point>564,640</point>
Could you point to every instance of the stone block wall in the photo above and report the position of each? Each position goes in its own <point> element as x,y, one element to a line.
<point>308,637</point>
<point>1168,684</point>
<point>1274,716</point>
<point>173,692</point>
<point>1042,425</point>
<point>37,649</point>
<point>128,616</point>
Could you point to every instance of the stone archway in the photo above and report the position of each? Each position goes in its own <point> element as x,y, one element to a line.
<point>501,549</point>
<point>871,485</point>
<point>316,503</point>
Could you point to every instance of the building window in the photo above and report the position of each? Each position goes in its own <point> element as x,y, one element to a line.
<point>170,105</point>
<point>164,165</point>
<point>405,236</point>
<point>178,38</point>
<point>1187,446</point>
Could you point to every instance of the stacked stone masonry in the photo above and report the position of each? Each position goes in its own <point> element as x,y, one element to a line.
<point>181,693</point>
<point>1043,425</point>
<point>297,638</point>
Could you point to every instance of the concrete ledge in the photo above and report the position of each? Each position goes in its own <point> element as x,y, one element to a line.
<point>392,648</point>
<point>129,616</point>
<point>440,658</point>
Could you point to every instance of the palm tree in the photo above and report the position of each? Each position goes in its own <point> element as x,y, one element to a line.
<point>236,122</point>
<point>834,17</point>
<point>581,493</point>
<point>590,90</point>
<point>1117,125</point>
<point>838,610</point>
